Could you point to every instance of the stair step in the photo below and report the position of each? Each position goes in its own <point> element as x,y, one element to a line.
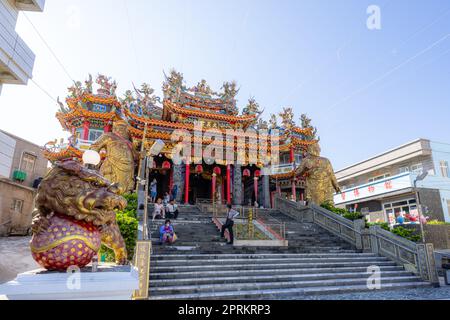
<point>264,272</point>
<point>222,262</point>
<point>192,289</point>
<point>272,278</point>
<point>259,256</point>
<point>286,293</point>
<point>179,268</point>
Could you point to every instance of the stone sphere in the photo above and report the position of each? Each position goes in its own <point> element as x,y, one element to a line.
<point>67,242</point>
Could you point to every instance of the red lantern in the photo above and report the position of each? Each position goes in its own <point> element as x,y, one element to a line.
<point>166,165</point>
<point>199,168</point>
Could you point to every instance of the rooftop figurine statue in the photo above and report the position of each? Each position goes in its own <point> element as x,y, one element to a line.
<point>320,179</point>
<point>74,215</point>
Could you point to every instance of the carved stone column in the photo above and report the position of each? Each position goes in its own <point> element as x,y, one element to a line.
<point>237,185</point>
<point>178,180</point>
<point>266,191</point>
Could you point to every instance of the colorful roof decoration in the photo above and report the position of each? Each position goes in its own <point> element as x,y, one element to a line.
<point>180,107</point>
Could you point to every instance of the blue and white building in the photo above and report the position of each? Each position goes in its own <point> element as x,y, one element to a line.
<point>16,58</point>
<point>385,185</point>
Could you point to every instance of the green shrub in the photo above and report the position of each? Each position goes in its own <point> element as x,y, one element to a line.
<point>437,223</point>
<point>128,225</point>
<point>330,207</point>
<point>407,234</point>
<point>353,215</point>
<point>342,212</point>
<point>383,225</point>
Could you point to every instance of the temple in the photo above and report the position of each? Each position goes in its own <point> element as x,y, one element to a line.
<point>88,114</point>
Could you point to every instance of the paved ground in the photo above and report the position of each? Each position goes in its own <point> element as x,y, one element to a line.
<point>15,257</point>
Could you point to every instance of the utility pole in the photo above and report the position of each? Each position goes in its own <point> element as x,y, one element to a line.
<point>419,205</point>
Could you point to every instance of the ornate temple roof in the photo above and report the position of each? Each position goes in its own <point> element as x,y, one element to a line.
<point>179,109</point>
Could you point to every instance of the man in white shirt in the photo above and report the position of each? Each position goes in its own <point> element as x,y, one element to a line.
<point>172,209</point>
<point>231,215</point>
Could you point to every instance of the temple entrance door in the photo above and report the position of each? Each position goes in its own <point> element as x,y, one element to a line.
<point>200,187</point>
<point>162,176</point>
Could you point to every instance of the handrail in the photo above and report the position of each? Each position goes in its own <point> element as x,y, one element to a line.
<point>399,249</point>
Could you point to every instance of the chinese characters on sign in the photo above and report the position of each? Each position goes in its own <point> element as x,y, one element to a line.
<point>142,263</point>
<point>395,183</point>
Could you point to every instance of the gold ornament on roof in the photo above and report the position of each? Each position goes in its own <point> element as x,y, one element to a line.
<point>76,90</point>
<point>202,88</point>
<point>287,116</point>
<point>88,83</point>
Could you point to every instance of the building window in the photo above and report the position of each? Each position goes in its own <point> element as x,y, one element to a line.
<point>17,205</point>
<point>444,168</point>
<point>381,177</point>
<point>392,209</point>
<point>27,163</point>
<point>403,170</point>
<point>417,168</point>
<point>94,134</point>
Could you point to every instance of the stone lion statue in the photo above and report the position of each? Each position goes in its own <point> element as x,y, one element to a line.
<point>70,190</point>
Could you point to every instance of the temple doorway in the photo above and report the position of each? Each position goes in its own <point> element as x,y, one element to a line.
<point>200,188</point>
<point>162,172</point>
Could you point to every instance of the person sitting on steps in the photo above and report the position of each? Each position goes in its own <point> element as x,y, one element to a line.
<point>231,215</point>
<point>172,210</point>
<point>159,211</point>
<point>167,233</point>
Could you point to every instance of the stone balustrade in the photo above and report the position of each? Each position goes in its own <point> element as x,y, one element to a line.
<point>416,257</point>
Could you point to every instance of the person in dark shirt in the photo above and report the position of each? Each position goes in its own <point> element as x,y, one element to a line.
<point>231,215</point>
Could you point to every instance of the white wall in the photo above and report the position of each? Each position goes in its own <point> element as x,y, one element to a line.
<point>7,146</point>
<point>16,58</point>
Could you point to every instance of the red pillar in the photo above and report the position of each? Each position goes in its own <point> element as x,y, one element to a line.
<point>294,192</point>
<point>107,128</point>
<point>171,181</point>
<point>228,184</point>
<point>213,186</point>
<point>186,183</point>
<point>255,186</point>
<point>291,155</point>
<point>85,130</point>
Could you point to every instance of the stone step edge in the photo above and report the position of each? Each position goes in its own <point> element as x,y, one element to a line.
<point>388,262</point>
<point>284,292</point>
<point>271,271</point>
<point>295,284</point>
<point>260,255</point>
<point>264,261</point>
<point>285,276</point>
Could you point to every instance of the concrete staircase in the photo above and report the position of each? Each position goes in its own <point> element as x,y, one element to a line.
<point>202,266</point>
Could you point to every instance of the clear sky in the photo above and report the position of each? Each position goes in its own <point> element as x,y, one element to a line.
<point>366,90</point>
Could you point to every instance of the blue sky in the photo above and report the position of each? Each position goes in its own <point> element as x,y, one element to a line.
<point>366,90</point>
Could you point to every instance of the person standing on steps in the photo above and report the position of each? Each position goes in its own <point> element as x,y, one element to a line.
<point>174,192</point>
<point>153,192</point>
<point>231,215</point>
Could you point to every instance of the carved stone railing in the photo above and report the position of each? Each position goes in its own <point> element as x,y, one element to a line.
<point>415,257</point>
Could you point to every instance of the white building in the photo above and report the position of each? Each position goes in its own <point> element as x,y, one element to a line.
<point>16,59</point>
<point>384,185</point>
